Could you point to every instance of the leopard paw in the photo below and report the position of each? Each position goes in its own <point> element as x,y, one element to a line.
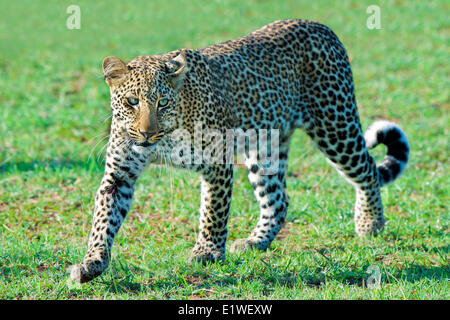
<point>204,256</point>
<point>85,272</point>
<point>242,245</point>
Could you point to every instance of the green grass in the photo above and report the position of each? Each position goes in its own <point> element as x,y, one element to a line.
<point>53,105</point>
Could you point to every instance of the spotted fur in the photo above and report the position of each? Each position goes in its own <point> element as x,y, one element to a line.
<point>289,74</point>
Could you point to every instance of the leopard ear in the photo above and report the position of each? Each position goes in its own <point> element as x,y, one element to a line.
<point>114,70</point>
<point>176,68</point>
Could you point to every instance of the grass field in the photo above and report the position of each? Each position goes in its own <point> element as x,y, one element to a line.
<point>54,103</point>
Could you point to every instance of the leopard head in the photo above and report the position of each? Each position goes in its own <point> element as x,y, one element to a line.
<point>145,95</point>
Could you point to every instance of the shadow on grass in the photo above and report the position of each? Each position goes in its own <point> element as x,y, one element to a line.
<point>414,273</point>
<point>311,278</point>
<point>50,165</point>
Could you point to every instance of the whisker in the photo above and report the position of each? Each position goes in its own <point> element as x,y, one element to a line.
<point>96,136</point>
<point>159,156</point>
<point>106,119</point>
<point>170,169</point>
<point>93,148</point>
<point>99,154</point>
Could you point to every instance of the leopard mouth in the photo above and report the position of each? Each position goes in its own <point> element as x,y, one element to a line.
<point>137,141</point>
<point>145,144</point>
<point>146,140</point>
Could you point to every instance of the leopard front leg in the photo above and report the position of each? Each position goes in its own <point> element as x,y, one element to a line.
<point>112,202</point>
<point>270,191</point>
<point>217,184</point>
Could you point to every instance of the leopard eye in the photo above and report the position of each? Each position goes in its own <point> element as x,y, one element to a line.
<point>163,102</point>
<point>132,101</point>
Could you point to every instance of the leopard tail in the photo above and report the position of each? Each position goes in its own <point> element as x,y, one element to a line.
<point>394,139</point>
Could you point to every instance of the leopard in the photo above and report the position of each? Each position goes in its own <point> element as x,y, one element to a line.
<point>288,75</point>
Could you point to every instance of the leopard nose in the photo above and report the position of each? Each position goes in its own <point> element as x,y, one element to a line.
<point>146,134</point>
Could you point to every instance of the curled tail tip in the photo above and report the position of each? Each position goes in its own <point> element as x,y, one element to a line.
<point>392,136</point>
